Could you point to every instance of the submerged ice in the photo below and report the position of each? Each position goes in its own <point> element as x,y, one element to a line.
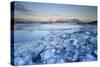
<point>46,46</point>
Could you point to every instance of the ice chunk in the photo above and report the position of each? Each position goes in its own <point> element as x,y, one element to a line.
<point>19,61</point>
<point>89,57</point>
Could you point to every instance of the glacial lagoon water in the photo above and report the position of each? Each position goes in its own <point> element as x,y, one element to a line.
<point>54,43</point>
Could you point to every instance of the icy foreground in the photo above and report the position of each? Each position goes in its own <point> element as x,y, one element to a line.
<point>74,44</point>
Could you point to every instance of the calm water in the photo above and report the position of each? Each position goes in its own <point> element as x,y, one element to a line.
<point>27,32</point>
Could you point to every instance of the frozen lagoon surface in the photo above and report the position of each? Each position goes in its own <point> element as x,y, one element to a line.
<point>54,43</point>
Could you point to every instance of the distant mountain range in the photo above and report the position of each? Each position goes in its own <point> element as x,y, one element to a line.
<point>59,21</point>
<point>93,22</point>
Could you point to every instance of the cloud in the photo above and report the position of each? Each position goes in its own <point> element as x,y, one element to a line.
<point>21,8</point>
<point>57,15</point>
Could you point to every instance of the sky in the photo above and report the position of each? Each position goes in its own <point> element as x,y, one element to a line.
<point>32,11</point>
